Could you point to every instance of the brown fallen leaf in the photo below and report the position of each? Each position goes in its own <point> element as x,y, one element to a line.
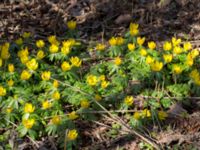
<point>125,18</point>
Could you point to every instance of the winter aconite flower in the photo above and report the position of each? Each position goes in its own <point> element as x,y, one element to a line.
<point>131,46</point>
<point>9,110</point>
<point>2,91</point>
<point>167,58</point>
<point>120,40</point>
<point>56,95</point>
<point>46,75</point>
<point>117,61</point>
<point>152,45</point>
<point>46,104</point>
<point>146,113</point>
<point>100,47</point>
<point>143,52</point>
<point>75,61</point>
<point>149,59</point>
<point>55,83</point>
<point>56,120</point>
<point>104,84</point>
<point>175,41</point>
<point>140,40</point>
<point>72,115</point>
<point>133,29</point>
<point>177,50</point>
<point>1,62</point>
<point>19,41</point>
<point>128,100</point>
<point>40,54</point>
<point>177,69</point>
<point>85,103</point>
<point>53,48</point>
<point>72,135</point>
<point>162,115</point>
<point>113,41</point>
<point>40,43</point>
<point>65,66</point>
<point>5,51</point>
<point>167,46</point>
<point>10,83</point>
<point>71,25</point>
<point>137,115</point>
<point>29,108</point>
<point>156,66</point>
<point>65,50</point>
<point>28,123</point>
<point>26,35</point>
<point>92,80</point>
<point>11,68</point>
<point>32,64</point>
<point>187,46</point>
<point>25,75</point>
<point>52,39</point>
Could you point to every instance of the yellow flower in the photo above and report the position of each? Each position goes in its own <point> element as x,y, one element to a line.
<point>56,120</point>
<point>69,43</point>
<point>2,91</point>
<point>175,41</point>
<point>40,43</point>
<point>98,97</point>
<point>85,103</point>
<point>92,80</point>
<point>24,59</point>
<point>131,46</point>
<point>55,83</point>
<point>46,104</point>
<point>140,40</point>
<point>65,50</point>
<point>149,59</point>
<point>117,61</point>
<point>194,74</point>
<point>53,48</point>
<point>72,135</point>
<point>194,53</point>
<point>5,51</point>
<point>167,46</point>
<point>46,75</point>
<point>65,66</point>
<point>28,123</point>
<point>143,52</point>
<point>113,41</point>
<point>1,62</point>
<point>19,41</point>
<point>22,53</point>
<point>29,108</point>
<point>137,115</point>
<point>25,75</point>
<point>156,66</point>
<point>120,40</point>
<point>128,100</point>
<point>167,58</point>
<point>104,84</point>
<point>177,69</point>
<point>177,50</point>
<point>10,82</point>
<point>133,29</point>
<point>52,39</point>
<point>26,35</point>
<point>146,113</point>
<point>187,46</point>
<point>71,25</point>
<point>152,45</point>
<point>72,115</point>
<point>102,77</point>
<point>189,61</point>
<point>11,68</point>
<point>56,95</point>
<point>9,110</point>
<point>75,61</point>
<point>40,54</point>
<point>100,47</point>
<point>162,115</point>
<point>32,64</point>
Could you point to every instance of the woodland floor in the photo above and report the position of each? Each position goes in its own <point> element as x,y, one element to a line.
<point>98,20</point>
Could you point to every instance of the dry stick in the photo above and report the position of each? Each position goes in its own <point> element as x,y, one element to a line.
<point>116,119</point>
<point>35,143</point>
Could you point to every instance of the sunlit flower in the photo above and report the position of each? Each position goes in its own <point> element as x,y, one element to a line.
<point>133,29</point>
<point>140,40</point>
<point>28,123</point>
<point>177,50</point>
<point>131,46</point>
<point>189,61</point>
<point>56,120</point>
<point>52,39</point>
<point>40,43</point>
<point>85,103</point>
<point>46,104</point>
<point>29,108</point>
<point>187,46</point>
<point>194,53</point>
<point>22,53</point>
<point>55,83</point>
<point>92,80</point>
<point>71,25</point>
<point>104,84</point>
<point>11,68</point>
<point>156,66</point>
<point>24,59</point>
<point>177,69</point>
<point>167,46</point>
<point>113,41</point>
<point>72,135</point>
<point>167,58</point>
<point>75,61</point>
<point>117,61</point>
<point>137,115</point>
<point>102,77</point>
<point>65,50</point>
<point>128,100</point>
<point>100,47</point>
<point>149,59</point>
<point>56,95</point>
<point>46,75</point>
<point>72,115</point>
<point>40,54</point>
<point>53,48</point>
<point>25,75</point>
<point>143,52</point>
<point>32,64</point>
<point>120,40</point>
<point>152,45</point>
<point>10,82</point>
<point>65,66</point>
<point>2,91</point>
<point>175,41</point>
